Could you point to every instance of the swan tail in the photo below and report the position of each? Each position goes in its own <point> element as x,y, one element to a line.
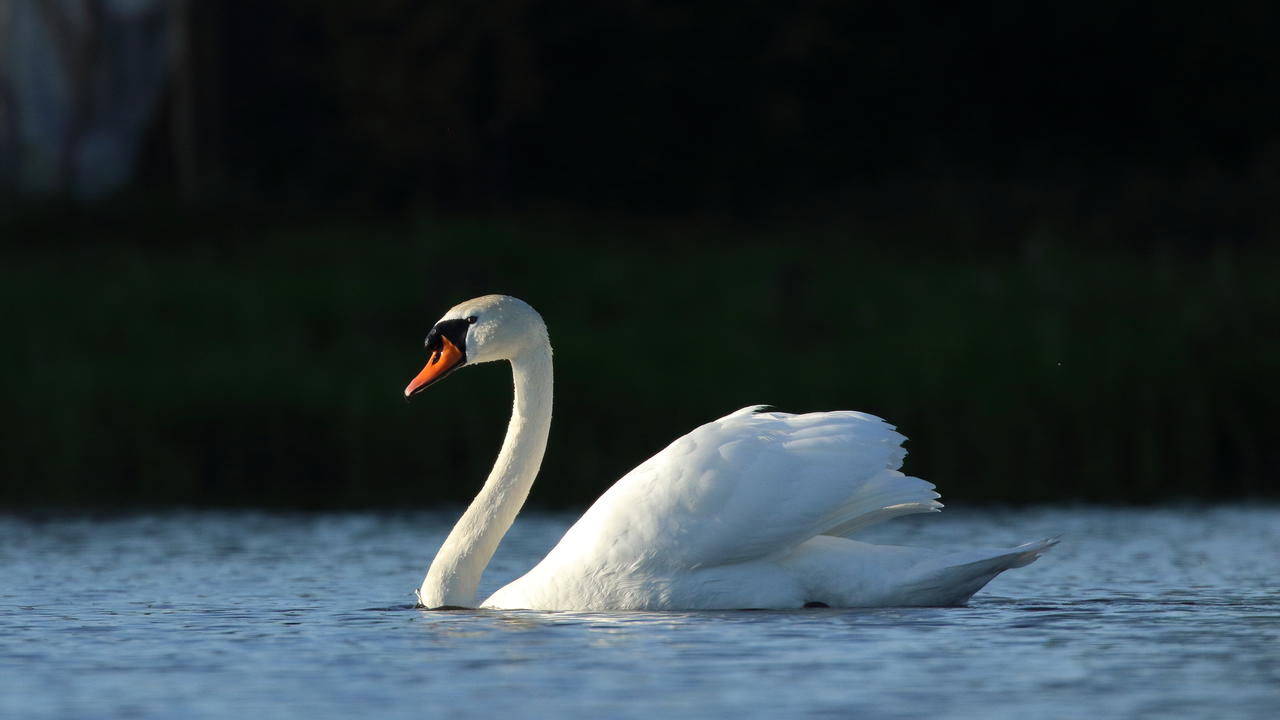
<point>1027,553</point>
<point>954,584</point>
<point>887,495</point>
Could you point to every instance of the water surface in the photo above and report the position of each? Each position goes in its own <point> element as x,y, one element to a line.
<point>1138,613</point>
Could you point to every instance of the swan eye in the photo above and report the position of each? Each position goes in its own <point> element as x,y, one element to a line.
<point>472,320</point>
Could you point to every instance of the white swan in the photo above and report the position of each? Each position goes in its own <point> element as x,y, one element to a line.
<point>753,510</point>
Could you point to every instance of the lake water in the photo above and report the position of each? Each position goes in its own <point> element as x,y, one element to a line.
<point>1155,613</point>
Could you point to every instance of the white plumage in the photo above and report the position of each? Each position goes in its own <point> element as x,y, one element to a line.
<point>754,510</point>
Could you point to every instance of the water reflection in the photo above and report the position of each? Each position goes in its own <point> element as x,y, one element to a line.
<point>209,614</point>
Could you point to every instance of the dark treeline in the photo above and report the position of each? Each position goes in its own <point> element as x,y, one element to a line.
<point>266,368</point>
<point>1040,238</point>
<point>1162,114</point>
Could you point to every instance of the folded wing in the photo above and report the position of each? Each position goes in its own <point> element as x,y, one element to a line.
<point>750,485</point>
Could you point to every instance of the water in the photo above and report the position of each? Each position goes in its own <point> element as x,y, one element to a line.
<point>1138,613</point>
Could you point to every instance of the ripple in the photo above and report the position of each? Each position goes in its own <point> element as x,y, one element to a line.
<point>1138,613</point>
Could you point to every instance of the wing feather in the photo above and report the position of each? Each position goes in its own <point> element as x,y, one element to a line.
<point>752,484</point>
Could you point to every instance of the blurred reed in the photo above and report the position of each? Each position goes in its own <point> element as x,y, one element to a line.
<point>264,365</point>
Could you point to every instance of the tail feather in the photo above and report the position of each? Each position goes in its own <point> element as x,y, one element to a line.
<point>1027,553</point>
<point>954,584</point>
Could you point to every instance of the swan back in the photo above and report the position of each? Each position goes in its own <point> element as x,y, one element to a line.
<point>752,484</point>
<point>749,486</point>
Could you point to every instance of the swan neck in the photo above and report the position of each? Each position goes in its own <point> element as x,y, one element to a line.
<point>454,575</point>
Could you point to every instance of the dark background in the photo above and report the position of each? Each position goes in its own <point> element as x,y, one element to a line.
<point>1039,238</point>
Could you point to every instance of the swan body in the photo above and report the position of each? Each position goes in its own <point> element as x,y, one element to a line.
<point>754,510</point>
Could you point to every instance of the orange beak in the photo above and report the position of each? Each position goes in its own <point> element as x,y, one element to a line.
<point>442,361</point>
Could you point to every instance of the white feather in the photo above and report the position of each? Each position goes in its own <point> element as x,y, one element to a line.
<point>752,510</point>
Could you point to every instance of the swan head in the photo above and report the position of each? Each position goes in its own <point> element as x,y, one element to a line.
<point>483,329</point>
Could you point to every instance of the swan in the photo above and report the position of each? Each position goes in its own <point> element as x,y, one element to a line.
<point>754,510</point>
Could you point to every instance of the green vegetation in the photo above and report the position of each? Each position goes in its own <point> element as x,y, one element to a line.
<point>265,367</point>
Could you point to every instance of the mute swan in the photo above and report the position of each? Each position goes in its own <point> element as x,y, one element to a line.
<point>753,510</point>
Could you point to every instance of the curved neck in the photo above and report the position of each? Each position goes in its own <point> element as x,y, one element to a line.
<point>455,573</point>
